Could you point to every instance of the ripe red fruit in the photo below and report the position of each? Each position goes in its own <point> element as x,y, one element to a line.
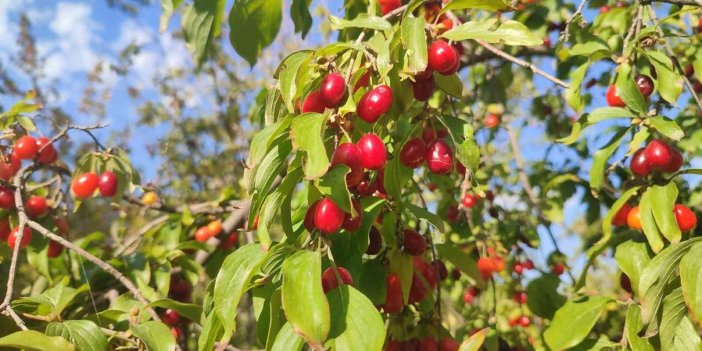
<point>520,297</point>
<point>374,103</point>
<point>375,242</point>
<point>179,289</point>
<point>498,263</point>
<point>373,152</point>
<point>413,242</point>
<point>658,154</point>
<point>14,236</point>
<point>604,9</point>
<point>332,89</point>
<point>349,154</point>
<point>423,89</point>
<point>625,283</point>
<point>639,164</point>
<point>107,183</point>
<point>645,84</point>
<point>469,201</point>
<point>413,153</point>
<point>5,228</point>
<point>26,148</point>
<point>619,219</point>
<point>468,297</point>
<point>9,165</point>
<point>428,344</point>
<point>448,344</point>
<point>518,268</point>
<point>309,217</point>
<point>460,168</point>
<point>439,157</point>
<point>394,345</point>
<point>362,81</point>
<point>387,6</point>
<point>329,281</point>
<point>351,224</point>
<point>313,102</point>
<point>557,268</point>
<point>229,241</point>
<point>492,120</point>
<point>486,266</point>
<point>36,206</point>
<point>84,186</point>
<point>452,213</point>
<point>689,70</point>
<point>177,333</point>
<point>366,187</point>
<point>47,153</point>
<point>429,134</point>
<point>442,57</point>
<point>328,217</point>
<point>685,217</point>
<point>613,98</point>
<point>393,294</point>
<point>170,317</point>
<point>202,234</point>
<point>7,198</point>
<point>528,264</point>
<point>524,321</point>
<point>55,249</point>
<point>676,161</point>
<point>441,270</point>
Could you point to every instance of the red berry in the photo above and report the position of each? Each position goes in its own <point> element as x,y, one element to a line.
<point>518,268</point>
<point>107,184</point>
<point>373,152</point>
<point>329,281</point>
<point>442,57</point>
<point>9,165</point>
<point>429,134</point>
<point>179,289</point>
<point>426,74</point>
<point>520,297</point>
<point>639,164</point>
<point>84,186</point>
<point>439,157</point>
<point>676,161</point>
<point>423,89</point>
<point>413,153</point>
<point>557,268</point>
<point>333,89</point>
<point>202,234</point>
<point>659,154</point>
<point>7,198</point>
<point>460,168</point>
<point>387,6</point>
<point>685,217</point>
<point>309,217</point>
<point>5,228</point>
<point>36,206</point>
<point>441,270</point>
<point>413,242</point>
<point>492,120</point>
<point>625,283</point>
<point>351,224</point>
<point>55,249</point>
<point>428,344</point>
<point>170,317</point>
<point>26,148</point>
<point>619,219</point>
<point>689,70</point>
<point>448,344</point>
<point>375,242</point>
<point>394,345</point>
<point>469,201</point>
<point>229,241</point>
<point>366,187</point>
<point>604,9</point>
<point>14,235</point>
<point>613,98</point>
<point>486,267</point>
<point>313,102</point>
<point>645,84</point>
<point>393,294</point>
<point>177,333</point>
<point>452,213</point>
<point>349,154</point>
<point>498,263</point>
<point>468,297</point>
<point>374,103</point>
<point>47,153</point>
<point>528,264</point>
<point>362,81</point>
<point>328,217</point>
<point>524,321</point>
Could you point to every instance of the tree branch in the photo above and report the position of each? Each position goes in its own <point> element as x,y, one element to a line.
<point>682,2</point>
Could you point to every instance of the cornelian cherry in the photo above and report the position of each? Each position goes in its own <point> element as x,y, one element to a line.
<point>7,198</point>
<point>613,98</point>
<point>107,184</point>
<point>349,154</point>
<point>313,102</point>
<point>54,250</point>
<point>373,152</point>
<point>469,201</point>
<point>442,57</point>
<point>413,153</point>
<point>351,223</point>
<point>633,219</point>
<point>375,242</point>
<point>47,153</point>
<point>328,217</point>
<point>393,294</point>
<point>14,236</point>
<point>329,281</point>
<point>439,157</point>
<point>84,185</point>
<point>685,217</point>
<point>644,84</point>
<point>413,242</point>
<point>26,148</point>
<point>9,165</point>
<point>619,219</point>
<point>423,89</point>
<point>374,103</point>
<point>170,317</point>
<point>5,228</point>
<point>486,266</point>
<point>387,6</point>
<point>36,206</point>
<point>639,164</point>
<point>202,234</point>
<point>333,89</point>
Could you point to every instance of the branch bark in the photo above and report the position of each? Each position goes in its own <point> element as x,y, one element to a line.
<point>682,2</point>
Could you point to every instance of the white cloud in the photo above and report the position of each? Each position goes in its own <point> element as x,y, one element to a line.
<point>8,23</point>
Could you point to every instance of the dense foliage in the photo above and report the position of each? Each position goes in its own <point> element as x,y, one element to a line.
<point>386,201</point>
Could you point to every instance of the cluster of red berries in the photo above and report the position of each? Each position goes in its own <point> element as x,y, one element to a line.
<point>428,343</point>
<point>657,156</point>
<point>84,185</point>
<point>631,217</point>
<point>520,267</point>
<point>521,321</point>
<point>643,83</point>
<point>432,149</point>
<point>210,230</point>
<point>489,265</point>
<point>689,71</point>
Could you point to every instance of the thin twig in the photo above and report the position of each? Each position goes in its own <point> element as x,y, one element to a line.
<point>522,63</point>
<point>565,34</point>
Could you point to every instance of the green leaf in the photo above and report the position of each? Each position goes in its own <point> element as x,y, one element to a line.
<point>287,340</point>
<point>155,335</point>
<point>589,48</point>
<point>356,324</point>
<point>632,327</point>
<point>265,173</point>
<point>632,257</point>
<point>579,126</point>
<point>670,84</point>
<point>574,97</point>
<point>616,206</point>
<point>288,72</point>
<point>274,202</point>
<point>307,132</point>
<point>451,85</point>
<point>30,340</point>
<point>253,26</point>
<point>662,208</point>
<point>373,271</point>
<point>190,311</point>
<point>168,7</point>
<point>423,213</point>
<point>490,5</point>
<point>333,185</point>
<point>572,322</point>
<point>599,161</point>
<point>629,92</point>
<point>667,127</point>
<point>300,14</point>
<point>474,342</point>
<point>509,32</point>
<point>462,261</point>
<point>691,281</point>
<point>648,222</point>
<point>544,299</point>
<point>212,331</point>
<point>415,43</point>
<point>232,282</point>
<point>304,303</point>
<point>605,113</point>
<point>361,21</point>
<point>395,177</point>
<point>401,264</point>
<point>85,335</point>
<point>201,21</point>
<point>674,311</point>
